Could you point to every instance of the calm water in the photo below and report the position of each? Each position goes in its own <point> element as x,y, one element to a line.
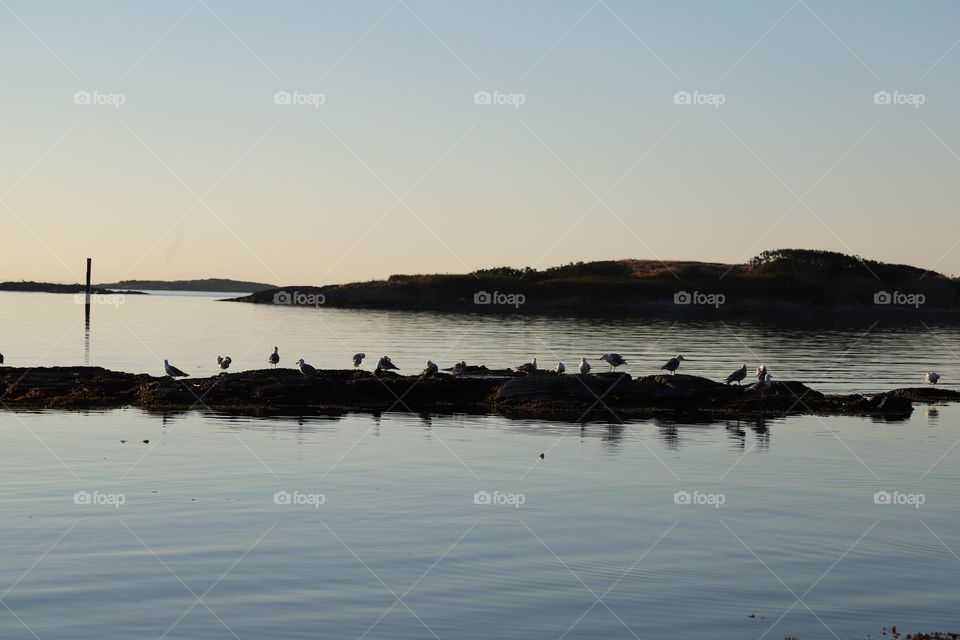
<point>788,530</point>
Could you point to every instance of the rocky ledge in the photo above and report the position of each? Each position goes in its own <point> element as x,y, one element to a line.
<point>543,395</point>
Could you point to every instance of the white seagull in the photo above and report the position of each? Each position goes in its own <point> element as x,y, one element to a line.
<point>385,363</point>
<point>584,367</point>
<point>613,359</point>
<point>932,376</point>
<point>528,367</point>
<point>172,371</point>
<point>761,372</point>
<point>673,363</point>
<point>737,376</point>
<point>358,358</point>
<point>274,358</point>
<point>431,368</point>
<point>763,385</point>
<point>305,368</point>
<point>560,368</point>
<point>224,362</point>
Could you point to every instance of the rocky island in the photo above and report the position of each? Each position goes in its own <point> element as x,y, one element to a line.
<point>542,395</point>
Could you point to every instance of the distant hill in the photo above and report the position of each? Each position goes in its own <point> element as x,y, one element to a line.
<point>795,281</point>
<point>51,287</point>
<point>206,284</point>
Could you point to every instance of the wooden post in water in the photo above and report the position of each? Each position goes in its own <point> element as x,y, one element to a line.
<point>86,306</point>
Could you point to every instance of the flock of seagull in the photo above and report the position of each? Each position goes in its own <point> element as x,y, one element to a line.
<point>764,379</point>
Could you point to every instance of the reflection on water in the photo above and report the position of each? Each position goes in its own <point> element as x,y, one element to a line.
<point>399,504</point>
<point>681,528</point>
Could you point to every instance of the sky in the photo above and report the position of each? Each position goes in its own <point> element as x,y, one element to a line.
<point>321,142</point>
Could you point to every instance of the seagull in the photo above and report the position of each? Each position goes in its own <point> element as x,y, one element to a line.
<point>560,368</point>
<point>431,368</point>
<point>584,367</point>
<point>224,362</point>
<point>305,368</point>
<point>274,358</point>
<point>1,358</point>
<point>459,368</point>
<point>761,372</point>
<point>932,376</point>
<point>172,371</point>
<point>528,367</point>
<point>763,385</point>
<point>613,359</point>
<point>358,358</point>
<point>673,364</point>
<point>737,376</point>
<point>384,363</point>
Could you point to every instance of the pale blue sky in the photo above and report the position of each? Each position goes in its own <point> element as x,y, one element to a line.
<point>303,195</point>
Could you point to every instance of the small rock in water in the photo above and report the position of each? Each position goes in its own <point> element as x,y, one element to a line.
<point>123,442</point>
<point>542,455</point>
<point>146,442</point>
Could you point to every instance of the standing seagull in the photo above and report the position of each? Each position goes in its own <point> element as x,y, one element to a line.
<point>305,368</point>
<point>172,371</point>
<point>528,367</point>
<point>224,363</point>
<point>560,368</point>
<point>584,367</point>
<point>763,385</point>
<point>385,364</point>
<point>274,358</point>
<point>613,359</point>
<point>761,372</point>
<point>737,376</point>
<point>431,368</point>
<point>358,358</point>
<point>673,363</point>
<point>932,376</point>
